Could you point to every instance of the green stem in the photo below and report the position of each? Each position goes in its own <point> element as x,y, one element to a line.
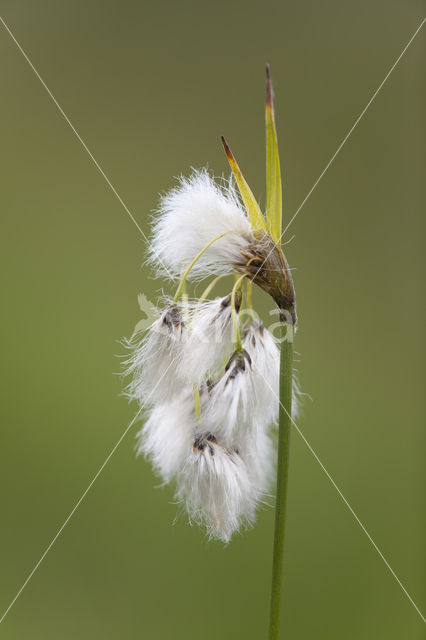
<point>209,288</point>
<point>237,287</point>
<point>197,402</point>
<point>249,295</point>
<point>286,375</point>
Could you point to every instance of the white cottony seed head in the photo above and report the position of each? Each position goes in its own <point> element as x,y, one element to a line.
<point>167,435</point>
<point>265,365</point>
<point>231,400</point>
<point>155,358</point>
<point>210,388</point>
<point>189,217</point>
<point>216,488</point>
<point>209,339</point>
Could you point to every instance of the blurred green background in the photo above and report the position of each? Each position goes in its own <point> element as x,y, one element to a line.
<point>150,87</point>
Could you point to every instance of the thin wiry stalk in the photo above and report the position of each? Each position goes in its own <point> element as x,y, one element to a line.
<point>236,288</point>
<point>197,257</point>
<point>286,376</point>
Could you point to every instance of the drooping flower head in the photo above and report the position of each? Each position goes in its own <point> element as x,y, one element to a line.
<point>209,380</point>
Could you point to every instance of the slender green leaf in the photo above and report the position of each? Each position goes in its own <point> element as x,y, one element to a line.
<point>255,214</point>
<point>273,171</point>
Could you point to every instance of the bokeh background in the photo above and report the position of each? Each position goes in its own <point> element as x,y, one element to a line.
<point>150,87</point>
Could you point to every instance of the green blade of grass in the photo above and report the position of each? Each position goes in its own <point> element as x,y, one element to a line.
<point>254,212</point>
<point>273,171</point>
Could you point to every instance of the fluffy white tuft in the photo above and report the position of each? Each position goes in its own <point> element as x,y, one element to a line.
<point>223,461</point>
<point>245,399</point>
<point>189,217</point>
<point>230,406</point>
<point>154,362</point>
<point>209,339</point>
<point>265,358</point>
<point>216,488</point>
<point>259,455</point>
<point>168,434</point>
<point>262,347</point>
<point>242,406</point>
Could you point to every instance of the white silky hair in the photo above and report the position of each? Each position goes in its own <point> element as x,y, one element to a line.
<point>263,349</point>
<point>243,405</point>
<point>216,488</point>
<point>259,455</point>
<point>229,408</point>
<point>245,399</point>
<point>168,434</point>
<point>189,217</point>
<point>211,412</point>
<point>223,475</point>
<point>154,363</point>
<point>209,339</point>
<point>265,356</point>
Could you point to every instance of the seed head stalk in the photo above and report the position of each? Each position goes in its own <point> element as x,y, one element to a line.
<point>274,206</point>
<point>181,286</point>
<point>286,376</point>
<point>236,289</point>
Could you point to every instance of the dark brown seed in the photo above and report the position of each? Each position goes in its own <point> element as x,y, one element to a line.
<point>172,317</point>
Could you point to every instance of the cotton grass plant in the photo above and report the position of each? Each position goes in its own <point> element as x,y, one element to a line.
<point>214,383</point>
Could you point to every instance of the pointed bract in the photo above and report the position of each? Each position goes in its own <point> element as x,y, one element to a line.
<point>253,210</point>
<point>273,171</point>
